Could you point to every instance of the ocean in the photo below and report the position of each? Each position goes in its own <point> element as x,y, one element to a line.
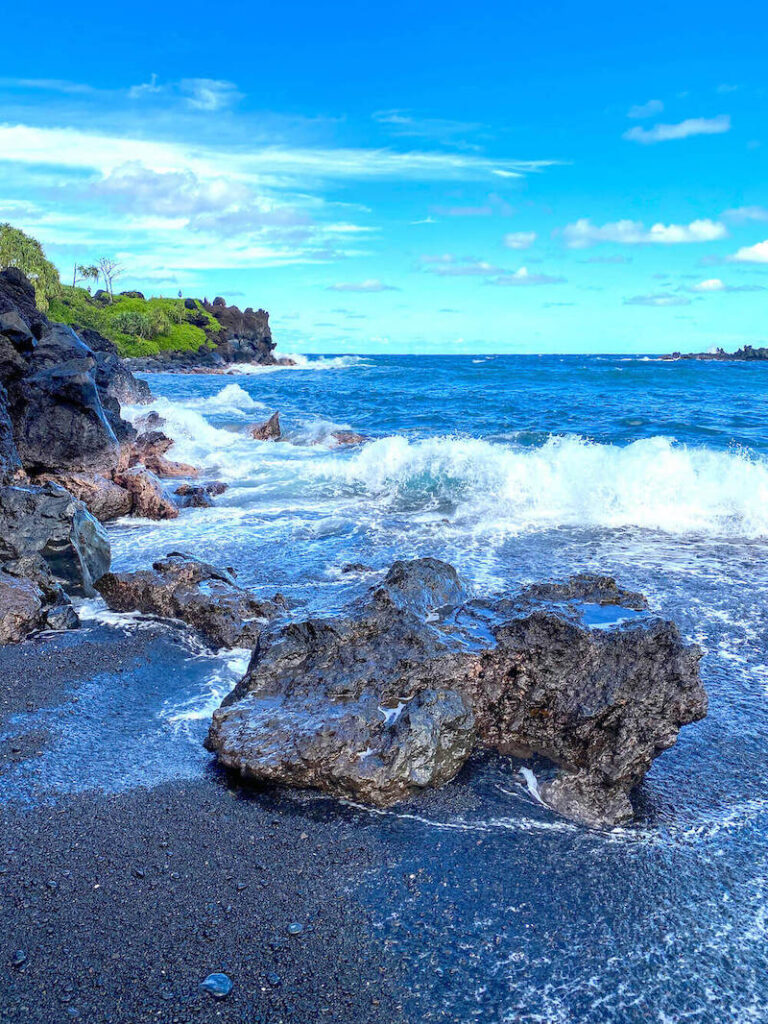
<point>514,469</point>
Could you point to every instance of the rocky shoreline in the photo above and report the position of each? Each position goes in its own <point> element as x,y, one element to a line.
<point>747,354</point>
<point>388,698</point>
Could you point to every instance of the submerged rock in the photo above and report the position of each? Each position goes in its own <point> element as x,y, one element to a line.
<point>393,694</point>
<point>269,430</point>
<point>206,598</point>
<point>348,437</point>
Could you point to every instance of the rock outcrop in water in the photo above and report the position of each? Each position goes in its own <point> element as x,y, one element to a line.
<point>394,694</point>
<point>243,336</point>
<point>269,430</point>
<point>747,354</point>
<point>206,598</point>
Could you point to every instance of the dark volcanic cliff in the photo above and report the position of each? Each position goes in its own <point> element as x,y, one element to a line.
<point>746,354</point>
<point>244,337</point>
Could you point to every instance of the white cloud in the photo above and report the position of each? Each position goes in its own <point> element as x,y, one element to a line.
<point>584,233</point>
<point>714,284</point>
<point>657,300</point>
<point>59,85</point>
<point>150,88</point>
<point>449,265</point>
<point>683,130</point>
<point>371,285</point>
<point>78,150</point>
<point>648,109</point>
<point>519,239</point>
<point>523,277</point>
<point>209,93</point>
<point>403,123</point>
<point>752,253</point>
<point>744,214</point>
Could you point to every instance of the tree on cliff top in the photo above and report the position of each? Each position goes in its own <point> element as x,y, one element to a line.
<point>26,254</point>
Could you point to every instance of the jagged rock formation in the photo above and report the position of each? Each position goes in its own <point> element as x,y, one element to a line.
<point>393,694</point>
<point>207,598</point>
<point>244,336</point>
<point>269,430</point>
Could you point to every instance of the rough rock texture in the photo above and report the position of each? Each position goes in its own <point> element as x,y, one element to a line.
<point>48,521</point>
<point>347,748</point>
<point>148,497</point>
<point>206,598</point>
<point>269,430</point>
<point>58,418</point>
<point>148,449</point>
<point>103,498</point>
<point>600,703</point>
<point>198,495</point>
<point>10,463</point>
<point>21,608</point>
<point>62,390</point>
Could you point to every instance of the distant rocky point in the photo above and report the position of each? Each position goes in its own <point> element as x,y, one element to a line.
<point>746,354</point>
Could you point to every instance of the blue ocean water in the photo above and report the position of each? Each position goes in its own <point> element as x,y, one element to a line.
<point>518,469</point>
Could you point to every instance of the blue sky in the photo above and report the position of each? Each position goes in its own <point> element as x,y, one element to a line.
<point>415,177</point>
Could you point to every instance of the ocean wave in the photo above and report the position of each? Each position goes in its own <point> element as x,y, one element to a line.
<point>653,483</point>
<point>301,362</point>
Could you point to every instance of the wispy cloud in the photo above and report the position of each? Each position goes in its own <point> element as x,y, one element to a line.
<point>519,239</point>
<point>745,214</point>
<point>59,85</point>
<point>584,233</point>
<point>405,124</point>
<point>78,150</point>
<point>524,278</point>
<point>448,265</point>
<point>752,253</point>
<point>371,285</point>
<point>641,110</point>
<point>715,284</point>
<point>659,299</point>
<point>684,130</point>
<point>209,93</point>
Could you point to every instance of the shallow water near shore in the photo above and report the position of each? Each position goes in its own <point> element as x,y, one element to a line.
<point>513,469</point>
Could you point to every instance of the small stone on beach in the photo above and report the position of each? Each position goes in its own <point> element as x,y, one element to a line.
<point>217,985</point>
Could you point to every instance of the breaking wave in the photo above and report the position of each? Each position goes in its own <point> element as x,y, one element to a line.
<point>652,483</point>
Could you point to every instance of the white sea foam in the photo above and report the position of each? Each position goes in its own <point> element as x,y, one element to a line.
<point>301,362</point>
<point>653,483</point>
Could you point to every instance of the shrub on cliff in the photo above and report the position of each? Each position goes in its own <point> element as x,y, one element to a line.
<point>25,253</point>
<point>138,326</point>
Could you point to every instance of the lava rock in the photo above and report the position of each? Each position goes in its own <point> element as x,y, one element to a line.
<point>148,496</point>
<point>21,608</point>
<point>103,498</point>
<point>48,521</point>
<point>217,985</point>
<point>361,704</point>
<point>269,430</point>
<point>206,598</point>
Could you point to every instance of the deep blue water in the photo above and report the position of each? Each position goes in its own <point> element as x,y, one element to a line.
<point>516,469</point>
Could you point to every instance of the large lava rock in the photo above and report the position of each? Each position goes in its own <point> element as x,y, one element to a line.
<point>323,700</point>
<point>58,418</point>
<point>48,521</point>
<point>207,598</point>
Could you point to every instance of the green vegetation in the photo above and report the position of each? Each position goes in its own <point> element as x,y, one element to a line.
<point>25,253</point>
<point>139,327</point>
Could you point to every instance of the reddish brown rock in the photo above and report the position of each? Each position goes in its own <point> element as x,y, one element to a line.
<point>149,498</point>
<point>21,608</point>
<point>348,437</point>
<point>269,430</point>
<point>103,498</point>
<point>199,594</point>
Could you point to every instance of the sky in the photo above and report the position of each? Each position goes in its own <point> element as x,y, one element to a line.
<point>412,177</point>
